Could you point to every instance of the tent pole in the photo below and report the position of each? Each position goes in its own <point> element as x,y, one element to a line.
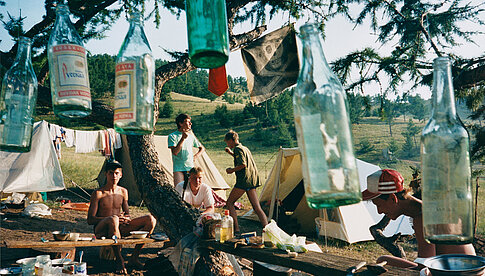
<point>277,188</point>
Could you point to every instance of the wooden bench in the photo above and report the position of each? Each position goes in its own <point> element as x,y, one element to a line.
<point>67,244</point>
<point>310,262</point>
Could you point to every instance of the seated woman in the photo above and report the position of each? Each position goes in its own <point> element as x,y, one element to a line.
<point>196,193</point>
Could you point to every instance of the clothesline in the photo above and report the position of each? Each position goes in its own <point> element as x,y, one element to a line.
<point>85,141</point>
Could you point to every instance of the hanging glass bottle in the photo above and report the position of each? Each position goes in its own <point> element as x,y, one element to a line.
<point>323,129</point>
<point>68,69</point>
<point>207,32</point>
<point>17,101</point>
<point>445,164</point>
<point>134,82</point>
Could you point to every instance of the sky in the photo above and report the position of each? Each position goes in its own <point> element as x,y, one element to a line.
<point>341,37</point>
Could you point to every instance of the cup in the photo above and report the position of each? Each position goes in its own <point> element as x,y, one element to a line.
<point>68,268</point>
<point>28,267</point>
<point>80,268</point>
<point>74,236</point>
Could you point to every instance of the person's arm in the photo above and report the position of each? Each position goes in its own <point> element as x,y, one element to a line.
<point>235,169</point>
<point>175,150</point>
<point>240,162</point>
<point>228,150</point>
<point>201,150</point>
<point>125,216</point>
<point>93,209</point>
<point>208,200</point>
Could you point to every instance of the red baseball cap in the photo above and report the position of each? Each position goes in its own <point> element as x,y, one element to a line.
<point>383,182</point>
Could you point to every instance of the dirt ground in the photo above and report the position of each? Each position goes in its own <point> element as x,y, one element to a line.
<point>14,226</point>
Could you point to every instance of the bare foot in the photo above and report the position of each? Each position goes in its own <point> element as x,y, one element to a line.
<point>120,268</point>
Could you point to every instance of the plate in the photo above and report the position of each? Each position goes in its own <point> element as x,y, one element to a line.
<point>159,236</point>
<point>84,239</point>
<point>15,270</point>
<point>21,261</point>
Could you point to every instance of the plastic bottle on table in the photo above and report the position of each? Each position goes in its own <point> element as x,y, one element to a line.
<point>227,227</point>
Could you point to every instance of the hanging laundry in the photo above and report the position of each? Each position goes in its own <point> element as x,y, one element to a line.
<point>69,137</point>
<point>116,138</point>
<point>87,141</point>
<point>218,80</point>
<point>271,64</point>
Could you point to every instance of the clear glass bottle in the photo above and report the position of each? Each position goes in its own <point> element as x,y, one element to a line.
<point>134,82</point>
<point>43,263</point>
<point>68,69</point>
<point>227,227</point>
<point>445,164</point>
<point>17,101</point>
<point>207,32</point>
<point>323,129</point>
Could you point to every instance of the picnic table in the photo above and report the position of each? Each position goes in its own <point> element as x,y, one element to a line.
<point>311,262</point>
<point>67,244</point>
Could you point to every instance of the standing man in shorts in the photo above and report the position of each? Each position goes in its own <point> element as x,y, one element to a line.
<point>247,178</point>
<point>181,142</point>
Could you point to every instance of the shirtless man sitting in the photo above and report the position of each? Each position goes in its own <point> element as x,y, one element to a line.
<point>110,215</point>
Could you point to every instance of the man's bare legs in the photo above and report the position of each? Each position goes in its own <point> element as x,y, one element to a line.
<point>235,194</point>
<point>110,226</point>
<point>177,178</point>
<point>253,198</point>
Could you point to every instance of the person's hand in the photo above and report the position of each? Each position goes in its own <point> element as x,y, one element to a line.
<point>228,150</point>
<point>125,219</point>
<point>185,133</point>
<point>229,170</point>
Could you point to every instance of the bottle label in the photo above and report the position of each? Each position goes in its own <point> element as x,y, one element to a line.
<point>71,70</point>
<point>125,99</point>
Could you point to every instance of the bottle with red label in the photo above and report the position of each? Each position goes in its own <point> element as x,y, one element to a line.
<point>68,69</point>
<point>134,82</point>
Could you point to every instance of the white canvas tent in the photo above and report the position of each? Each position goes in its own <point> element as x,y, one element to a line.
<point>34,171</point>
<point>212,176</point>
<point>348,223</point>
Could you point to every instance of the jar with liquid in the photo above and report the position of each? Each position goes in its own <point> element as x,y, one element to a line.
<point>323,129</point>
<point>227,227</point>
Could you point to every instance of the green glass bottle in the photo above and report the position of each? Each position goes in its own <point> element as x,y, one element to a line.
<point>17,101</point>
<point>323,129</point>
<point>445,163</point>
<point>134,82</point>
<point>207,32</point>
<point>68,69</point>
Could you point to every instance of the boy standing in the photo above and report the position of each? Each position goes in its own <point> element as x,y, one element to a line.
<point>247,179</point>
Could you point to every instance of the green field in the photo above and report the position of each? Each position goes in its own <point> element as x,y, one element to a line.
<point>84,168</point>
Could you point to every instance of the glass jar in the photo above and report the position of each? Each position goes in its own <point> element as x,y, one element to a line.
<point>323,129</point>
<point>68,69</point>
<point>17,101</point>
<point>135,82</point>
<point>207,32</point>
<point>42,263</point>
<point>445,164</point>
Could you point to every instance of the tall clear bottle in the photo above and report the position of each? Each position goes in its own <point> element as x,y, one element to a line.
<point>207,32</point>
<point>323,129</point>
<point>68,69</point>
<point>17,101</point>
<point>134,82</point>
<point>445,163</point>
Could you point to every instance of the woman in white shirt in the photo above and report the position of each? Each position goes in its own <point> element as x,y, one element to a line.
<point>196,193</point>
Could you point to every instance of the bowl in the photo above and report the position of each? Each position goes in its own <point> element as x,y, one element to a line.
<point>61,262</point>
<point>455,264</point>
<point>24,260</point>
<point>60,236</point>
<point>139,234</point>
<point>73,237</point>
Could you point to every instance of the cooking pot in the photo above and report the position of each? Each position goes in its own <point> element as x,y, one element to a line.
<point>15,270</point>
<point>455,264</point>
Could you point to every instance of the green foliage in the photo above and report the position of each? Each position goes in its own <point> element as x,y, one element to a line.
<point>393,146</point>
<point>167,109</point>
<point>358,107</point>
<point>102,75</point>
<point>364,146</point>
<point>408,148</point>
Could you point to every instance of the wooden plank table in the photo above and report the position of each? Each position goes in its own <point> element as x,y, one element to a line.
<point>68,244</point>
<point>310,262</point>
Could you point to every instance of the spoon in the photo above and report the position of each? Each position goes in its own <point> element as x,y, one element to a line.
<point>63,259</point>
<point>81,256</point>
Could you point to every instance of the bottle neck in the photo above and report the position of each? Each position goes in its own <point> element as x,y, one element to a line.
<point>23,51</point>
<point>443,95</point>
<point>314,62</point>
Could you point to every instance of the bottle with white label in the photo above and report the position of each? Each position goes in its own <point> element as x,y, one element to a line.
<point>445,164</point>
<point>68,69</point>
<point>323,129</point>
<point>134,82</point>
<point>17,101</point>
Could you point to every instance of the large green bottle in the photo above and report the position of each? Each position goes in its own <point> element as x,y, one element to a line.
<point>134,82</point>
<point>17,101</point>
<point>323,129</point>
<point>445,163</point>
<point>68,69</point>
<point>207,32</point>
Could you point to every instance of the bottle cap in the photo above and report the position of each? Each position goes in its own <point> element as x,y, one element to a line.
<point>226,212</point>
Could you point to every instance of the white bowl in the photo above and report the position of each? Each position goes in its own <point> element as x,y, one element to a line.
<point>21,261</point>
<point>57,262</point>
<point>139,234</point>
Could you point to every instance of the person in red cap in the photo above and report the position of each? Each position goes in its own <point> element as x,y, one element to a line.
<point>385,189</point>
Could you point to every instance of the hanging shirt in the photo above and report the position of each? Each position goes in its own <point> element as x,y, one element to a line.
<point>203,198</point>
